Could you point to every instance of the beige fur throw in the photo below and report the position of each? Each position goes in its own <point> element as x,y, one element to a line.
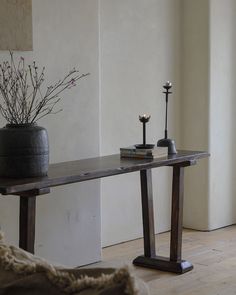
<point>24,265</point>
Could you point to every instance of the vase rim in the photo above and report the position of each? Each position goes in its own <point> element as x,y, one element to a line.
<point>13,125</point>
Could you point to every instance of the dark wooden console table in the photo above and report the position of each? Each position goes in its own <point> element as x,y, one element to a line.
<point>83,170</point>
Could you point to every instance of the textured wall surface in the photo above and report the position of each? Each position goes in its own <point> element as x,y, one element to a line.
<point>222,203</point>
<point>139,45</point>
<point>195,108</point>
<point>16,25</point>
<point>68,219</point>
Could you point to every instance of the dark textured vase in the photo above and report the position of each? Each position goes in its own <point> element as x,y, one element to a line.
<point>24,151</point>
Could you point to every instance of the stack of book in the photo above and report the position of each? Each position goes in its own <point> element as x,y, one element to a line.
<point>133,152</point>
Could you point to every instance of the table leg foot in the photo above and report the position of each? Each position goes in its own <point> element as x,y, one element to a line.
<point>164,264</point>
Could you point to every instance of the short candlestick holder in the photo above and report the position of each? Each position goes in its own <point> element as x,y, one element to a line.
<point>144,119</point>
<point>167,142</point>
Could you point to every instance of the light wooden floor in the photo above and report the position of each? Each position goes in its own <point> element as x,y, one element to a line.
<point>213,255</point>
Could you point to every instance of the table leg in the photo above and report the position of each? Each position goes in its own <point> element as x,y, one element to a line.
<point>174,263</point>
<point>149,257</point>
<point>182,266</point>
<point>147,211</point>
<point>27,223</point>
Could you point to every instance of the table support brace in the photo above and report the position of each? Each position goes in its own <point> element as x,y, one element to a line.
<point>174,263</point>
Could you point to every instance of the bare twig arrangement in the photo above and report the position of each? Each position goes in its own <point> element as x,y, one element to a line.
<point>21,97</point>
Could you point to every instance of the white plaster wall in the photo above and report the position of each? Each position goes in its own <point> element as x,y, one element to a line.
<point>65,34</point>
<point>222,113</point>
<point>194,108</point>
<point>208,118</point>
<point>139,51</point>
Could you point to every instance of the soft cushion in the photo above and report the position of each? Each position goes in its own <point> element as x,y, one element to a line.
<point>24,273</point>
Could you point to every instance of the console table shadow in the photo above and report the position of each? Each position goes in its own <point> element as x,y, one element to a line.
<point>83,170</point>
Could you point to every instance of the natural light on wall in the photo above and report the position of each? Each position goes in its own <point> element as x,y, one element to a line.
<point>16,25</point>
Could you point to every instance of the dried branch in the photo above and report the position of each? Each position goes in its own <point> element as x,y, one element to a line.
<point>21,98</point>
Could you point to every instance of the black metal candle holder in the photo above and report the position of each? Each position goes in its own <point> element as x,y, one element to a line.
<point>167,142</point>
<point>144,119</point>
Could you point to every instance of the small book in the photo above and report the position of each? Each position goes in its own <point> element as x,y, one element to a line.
<point>133,152</point>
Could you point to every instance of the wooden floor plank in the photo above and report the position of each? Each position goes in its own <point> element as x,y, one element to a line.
<point>213,255</point>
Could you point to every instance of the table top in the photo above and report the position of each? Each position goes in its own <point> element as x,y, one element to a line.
<point>92,168</point>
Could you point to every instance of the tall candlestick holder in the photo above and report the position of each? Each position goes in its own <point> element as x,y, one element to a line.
<point>144,119</point>
<point>167,142</point>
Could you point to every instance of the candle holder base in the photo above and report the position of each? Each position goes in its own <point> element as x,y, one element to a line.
<point>167,142</point>
<point>145,146</point>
